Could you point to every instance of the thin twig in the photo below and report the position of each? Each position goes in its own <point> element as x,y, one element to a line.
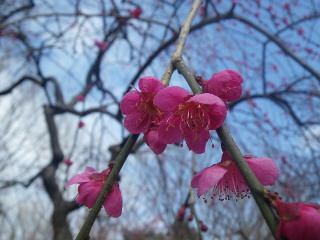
<point>185,28</point>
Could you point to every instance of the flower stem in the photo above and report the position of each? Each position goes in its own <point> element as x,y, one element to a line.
<point>253,183</point>
<point>94,212</point>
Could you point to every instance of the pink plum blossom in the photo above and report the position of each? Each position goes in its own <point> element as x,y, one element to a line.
<point>300,31</point>
<point>181,213</point>
<point>90,186</point>
<point>80,98</point>
<point>101,45</point>
<point>225,179</point>
<point>136,12</point>
<point>298,220</point>
<point>190,218</point>
<point>141,113</point>
<point>67,162</point>
<point>81,124</point>
<point>225,84</point>
<point>203,227</point>
<point>190,117</point>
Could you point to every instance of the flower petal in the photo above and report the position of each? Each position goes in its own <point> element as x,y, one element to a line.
<point>298,221</point>
<point>169,98</point>
<point>207,98</point>
<point>150,84</point>
<point>113,202</point>
<point>154,142</point>
<point>90,170</point>
<point>79,178</point>
<point>265,170</point>
<point>88,193</point>
<point>209,178</point>
<point>216,108</point>
<point>197,139</point>
<point>169,132</point>
<point>129,101</point>
<point>137,122</point>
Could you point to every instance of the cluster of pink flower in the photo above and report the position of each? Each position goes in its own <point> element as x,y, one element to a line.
<point>169,115</point>
<point>165,115</point>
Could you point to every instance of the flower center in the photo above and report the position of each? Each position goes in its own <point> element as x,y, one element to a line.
<point>194,115</point>
<point>146,104</point>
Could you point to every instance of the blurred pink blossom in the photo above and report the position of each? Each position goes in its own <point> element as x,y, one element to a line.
<point>136,12</point>
<point>81,124</point>
<point>80,98</point>
<point>203,227</point>
<point>67,162</point>
<point>298,220</point>
<point>286,6</point>
<point>101,45</point>
<point>90,186</point>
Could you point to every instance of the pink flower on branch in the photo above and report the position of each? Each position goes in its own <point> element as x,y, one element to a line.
<point>298,220</point>
<point>90,186</point>
<point>141,113</point>
<point>225,179</point>
<point>190,117</point>
<point>225,84</point>
<point>101,45</point>
<point>136,12</point>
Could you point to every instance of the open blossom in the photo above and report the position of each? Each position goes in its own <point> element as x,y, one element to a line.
<point>138,107</point>
<point>90,186</point>
<point>298,221</point>
<point>190,117</point>
<point>225,84</point>
<point>225,179</point>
